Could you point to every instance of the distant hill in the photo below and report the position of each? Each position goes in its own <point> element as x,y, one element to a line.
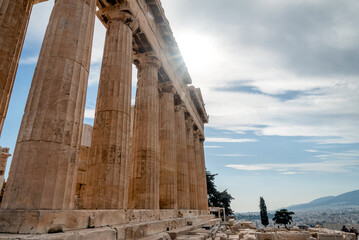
<point>349,199</point>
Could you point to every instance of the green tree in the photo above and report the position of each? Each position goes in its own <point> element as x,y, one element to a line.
<point>283,216</point>
<point>263,212</point>
<point>217,198</point>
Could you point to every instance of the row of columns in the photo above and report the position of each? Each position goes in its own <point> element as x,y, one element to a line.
<point>164,168</point>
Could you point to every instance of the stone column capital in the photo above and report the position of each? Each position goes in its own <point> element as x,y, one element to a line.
<point>147,59</point>
<point>180,107</point>
<point>4,152</point>
<point>167,87</point>
<point>197,133</point>
<point>189,122</point>
<point>118,12</point>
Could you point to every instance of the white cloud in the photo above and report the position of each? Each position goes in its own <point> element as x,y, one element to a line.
<point>254,167</point>
<point>94,77</point>
<point>29,60</point>
<point>275,55</point>
<point>319,167</point>
<point>212,147</point>
<point>98,42</point>
<point>38,21</point>
<point>89,113</point>
<point>230,140</point>
<point>232,155</point>
<point>311,150</point>
<point>289,173</point>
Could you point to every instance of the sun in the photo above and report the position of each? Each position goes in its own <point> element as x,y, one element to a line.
<point>199,51</point>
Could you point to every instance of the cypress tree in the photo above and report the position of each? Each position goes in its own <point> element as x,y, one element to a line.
<point>263,212</point>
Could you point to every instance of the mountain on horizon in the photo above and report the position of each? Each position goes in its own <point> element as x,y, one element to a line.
<point>349,199</point>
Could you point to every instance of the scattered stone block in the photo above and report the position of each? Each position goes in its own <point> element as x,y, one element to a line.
<point>289,235</point>
<point>248,225</point>
<point>191,237</point>
<point>221,236</point>
<point>159,236</point>
<point>180,231</point>
<point>326,236</point>
<point>266,236</point>
<point>233,237</point>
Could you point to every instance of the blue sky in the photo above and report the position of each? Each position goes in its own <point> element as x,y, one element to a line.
<point>280,80</point>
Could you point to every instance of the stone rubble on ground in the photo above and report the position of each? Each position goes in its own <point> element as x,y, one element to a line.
<point>234,230</point>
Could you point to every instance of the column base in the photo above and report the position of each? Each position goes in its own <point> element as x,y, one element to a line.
<point>57,221</point>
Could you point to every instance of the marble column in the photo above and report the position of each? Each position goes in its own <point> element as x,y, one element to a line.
<point>168,156</point>
<point>204,197</point>
<point>199,168</point>
<point>14,18</point>
<point>43,169</point>
<point>192,166</point>
<point>109,160</point>
<point>182,160</point>
<point>145,170</point>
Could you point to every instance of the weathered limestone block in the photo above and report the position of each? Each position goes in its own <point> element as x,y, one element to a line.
<point>14,18</point>
<point>249,237</point>
<point>191,237</point>
<point>221,236</point>
<point>168,155</point>
<point>182,160</point>
<point>145,171</point>
<point>180,231</point>
<point>327,236</point>
<point>247,225</point>
<point>43,170</point>
<point>88,234</point>
<point>350,236</point>
<point>293,235</point>
<point>159,236</point>
<point>202,231</point>
<point>109,161</point>
<point>266,236</point>
<point>234,237</point>
<point>242,233</point>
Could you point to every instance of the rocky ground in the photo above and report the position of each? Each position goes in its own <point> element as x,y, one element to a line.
<point>247,231</point>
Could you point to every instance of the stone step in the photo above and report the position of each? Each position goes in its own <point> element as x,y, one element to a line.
<point>159,236</point>
<point>180,231</point>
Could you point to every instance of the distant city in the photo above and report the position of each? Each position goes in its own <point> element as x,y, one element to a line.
<point>327,218</point>
<point>330,212</point>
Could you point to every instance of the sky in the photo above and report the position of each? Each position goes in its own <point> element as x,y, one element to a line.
<point>280,81</point>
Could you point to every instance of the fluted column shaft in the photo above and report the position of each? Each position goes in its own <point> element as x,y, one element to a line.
<point>14,18</point>
<point>204,197</point>
<point>192,166</point>
<point>109,160</point>
<point>182,160</point>
<point>168,163</point>
<point>199,169</point>
<point>145,171</point>
<point>43,171</point>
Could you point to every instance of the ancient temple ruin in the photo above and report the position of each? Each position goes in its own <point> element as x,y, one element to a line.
<point>142,166</point>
